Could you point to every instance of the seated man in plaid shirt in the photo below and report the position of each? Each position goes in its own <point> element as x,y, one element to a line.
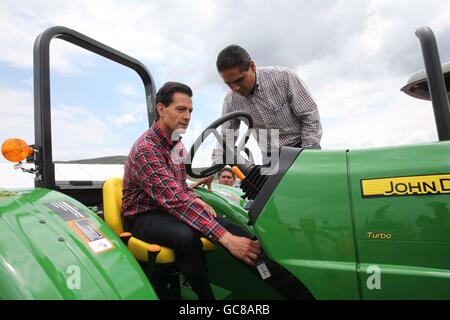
<point>159,206</point>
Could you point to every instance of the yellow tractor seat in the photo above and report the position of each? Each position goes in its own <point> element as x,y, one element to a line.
<point>112,206</point>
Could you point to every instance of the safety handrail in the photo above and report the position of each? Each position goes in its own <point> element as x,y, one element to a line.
<point>436,84</point>
<point>45,173</point>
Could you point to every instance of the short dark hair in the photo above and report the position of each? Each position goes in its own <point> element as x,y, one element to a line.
<point>166,92</point>
<point>233,56</point>
<point>227,170</point>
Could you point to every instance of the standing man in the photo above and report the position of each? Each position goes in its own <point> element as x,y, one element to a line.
<point>159,207</point>
<point>275,97</point>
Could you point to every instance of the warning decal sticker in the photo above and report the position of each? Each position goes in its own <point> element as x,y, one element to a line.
<point>79,222</point>
<point>66,210</point>
<point>91,235</point>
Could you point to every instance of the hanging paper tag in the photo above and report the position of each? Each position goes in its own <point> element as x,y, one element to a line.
<point>263,271</point>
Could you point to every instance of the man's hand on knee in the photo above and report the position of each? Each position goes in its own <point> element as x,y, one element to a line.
<point>207,207</point>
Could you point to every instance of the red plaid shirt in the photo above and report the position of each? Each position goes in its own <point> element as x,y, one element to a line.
<point>153,181</point>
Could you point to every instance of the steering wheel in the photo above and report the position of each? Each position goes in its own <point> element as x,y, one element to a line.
<point>212,129</point>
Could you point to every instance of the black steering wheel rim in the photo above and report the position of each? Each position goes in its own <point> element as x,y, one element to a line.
<point>195,146</point>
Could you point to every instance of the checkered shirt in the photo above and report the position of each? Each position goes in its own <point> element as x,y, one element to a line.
<point>280,101</point>
<point>152,181</point>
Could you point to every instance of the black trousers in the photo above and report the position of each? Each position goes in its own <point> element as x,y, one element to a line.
<point>163,229</point>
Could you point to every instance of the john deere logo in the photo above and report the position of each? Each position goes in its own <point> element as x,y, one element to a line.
<point>406,186</point>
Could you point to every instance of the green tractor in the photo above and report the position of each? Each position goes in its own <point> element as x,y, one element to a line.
<point>350,224</point>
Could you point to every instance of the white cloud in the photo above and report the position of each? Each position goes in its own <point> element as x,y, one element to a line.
<point>76,133</point>
<point>28,82</point>
<point>126,119</point>
<point>127,89</point>
<point>375,116</point>
<point>354,55</point>
<point>16,112</point>
<point>141,31</point>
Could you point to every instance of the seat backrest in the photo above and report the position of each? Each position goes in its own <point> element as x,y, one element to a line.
<point>112,204</point>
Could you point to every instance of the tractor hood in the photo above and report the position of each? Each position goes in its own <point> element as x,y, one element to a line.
<point>53,247</point>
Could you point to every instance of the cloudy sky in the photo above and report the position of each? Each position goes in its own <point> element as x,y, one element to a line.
<point>354,56</point>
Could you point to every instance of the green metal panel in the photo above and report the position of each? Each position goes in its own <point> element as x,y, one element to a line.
<point>306,225</point>
<point>223,269</point>
<point>224,201</point>
<point>415,261</point>
<point>40,254</point>
<point>231,193</point>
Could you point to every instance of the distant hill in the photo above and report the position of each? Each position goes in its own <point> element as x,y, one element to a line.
<point>109,160</point>
<point>102,160</point>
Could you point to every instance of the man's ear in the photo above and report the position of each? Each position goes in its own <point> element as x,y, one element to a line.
<point>253,66</point>
<point>161,109</point>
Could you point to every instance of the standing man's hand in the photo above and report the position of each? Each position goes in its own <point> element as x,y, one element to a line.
<point>242,248</point>
<point>204,181</point>
<point>207,207</point>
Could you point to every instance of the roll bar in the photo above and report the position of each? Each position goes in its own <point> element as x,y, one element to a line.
<point>436,84</point>
<point>45,171</point>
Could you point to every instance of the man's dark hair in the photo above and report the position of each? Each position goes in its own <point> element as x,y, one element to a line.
<point>233,56</point>
<point>226,169</point>
<point>166,92</point>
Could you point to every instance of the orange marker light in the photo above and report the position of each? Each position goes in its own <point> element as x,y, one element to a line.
<point>153,248</point>
<point>16,150</point>
<point>238,172</point>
